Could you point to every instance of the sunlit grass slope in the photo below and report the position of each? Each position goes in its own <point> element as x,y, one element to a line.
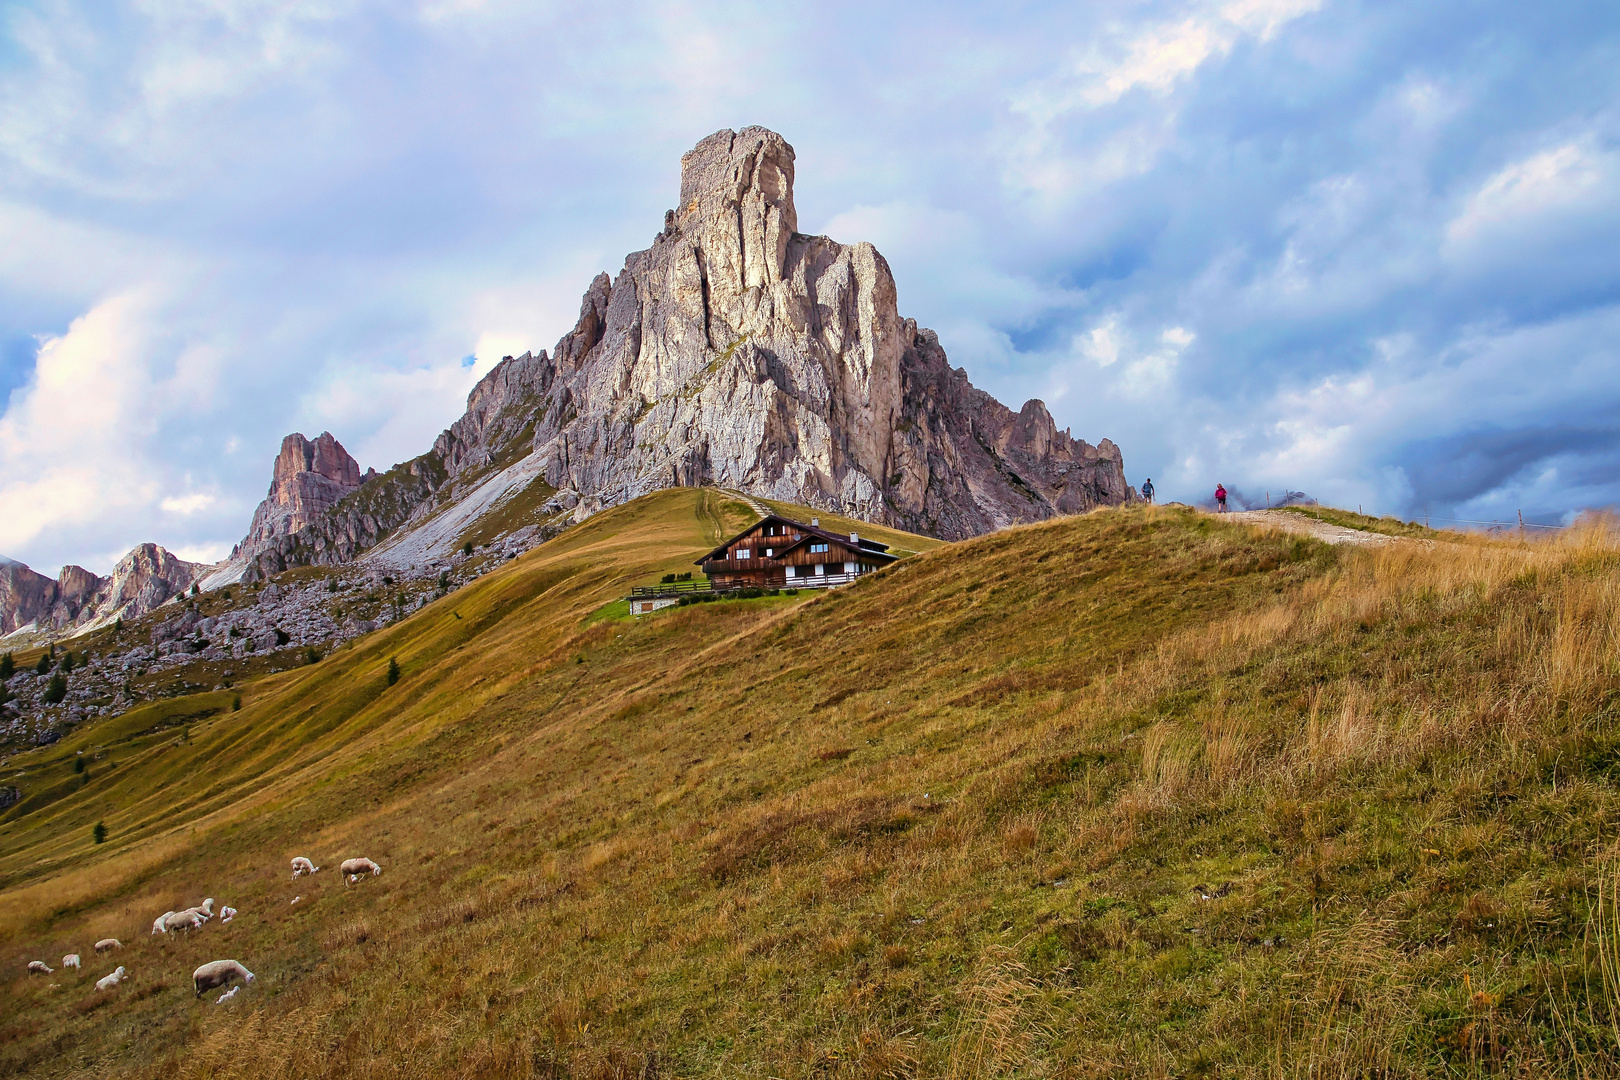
<point>1139,792</point>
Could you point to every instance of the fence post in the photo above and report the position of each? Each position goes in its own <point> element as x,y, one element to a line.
<point>1521,525</point>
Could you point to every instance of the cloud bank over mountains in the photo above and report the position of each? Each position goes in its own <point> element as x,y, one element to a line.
<point>1371,252</point>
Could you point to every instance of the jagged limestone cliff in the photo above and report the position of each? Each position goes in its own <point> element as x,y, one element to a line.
<point>76,599</point>
<point>740,352</point>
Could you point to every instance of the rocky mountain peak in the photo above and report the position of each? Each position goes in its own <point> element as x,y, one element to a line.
<point>324,457</point>
<point>144,579</point>
<point>310,477</point>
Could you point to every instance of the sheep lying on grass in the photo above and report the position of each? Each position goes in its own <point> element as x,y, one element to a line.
<point>39,967</point>
<point>107,982</point>
<point>107,943</point>
<point>355,869</point>
<point>219,973</point>
<point>71,960</point>
<point>227,913</point>
<point>302,865</point>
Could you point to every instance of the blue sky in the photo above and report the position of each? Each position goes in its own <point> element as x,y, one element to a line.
<point>1367,251</point>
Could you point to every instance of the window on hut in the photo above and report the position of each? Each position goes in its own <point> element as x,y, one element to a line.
<point>817,548</point>
<point>744,553</point>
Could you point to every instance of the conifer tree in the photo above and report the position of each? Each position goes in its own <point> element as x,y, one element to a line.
<point>393,670</point>
<point>8,667</point>
<point>99,833</point>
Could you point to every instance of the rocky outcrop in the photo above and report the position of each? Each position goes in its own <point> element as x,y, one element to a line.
<point>734,351</point>
<point>309,480</point>
<point>140,582</point>
<point>740,352</point>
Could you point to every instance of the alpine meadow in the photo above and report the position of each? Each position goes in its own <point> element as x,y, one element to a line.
<point>1137,792</point>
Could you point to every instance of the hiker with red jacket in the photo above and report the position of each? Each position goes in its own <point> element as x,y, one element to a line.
<point>1220,498</point>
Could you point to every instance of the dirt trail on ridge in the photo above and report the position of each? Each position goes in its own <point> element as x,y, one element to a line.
<point>1299,523</point>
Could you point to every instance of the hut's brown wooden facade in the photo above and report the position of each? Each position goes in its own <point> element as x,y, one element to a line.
<point>778,552</point>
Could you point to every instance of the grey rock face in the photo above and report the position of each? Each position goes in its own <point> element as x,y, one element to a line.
<point>737,351</point>
<point>309,480</point>
<point>141,581</point>
<point>734,351</point>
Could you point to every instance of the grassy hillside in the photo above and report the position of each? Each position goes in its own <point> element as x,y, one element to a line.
<point>1139,792</point>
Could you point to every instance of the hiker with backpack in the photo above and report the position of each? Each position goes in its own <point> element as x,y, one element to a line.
<point>1147,490</point>
<point>1220,498</point>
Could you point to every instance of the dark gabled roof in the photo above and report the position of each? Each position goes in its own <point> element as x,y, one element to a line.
<point>867,547</point>
<point>871,547</point>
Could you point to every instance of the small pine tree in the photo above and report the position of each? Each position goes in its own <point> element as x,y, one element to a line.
<point>236,703</point>
<point>56,691</point>
<point>466,549</point>
<point>78,764</point>
<point>444,581</point>
<point>99,833</point>
<point>44,664</point>
<point>8,667</point>
<point>313,656</point>
<point>67,662</point>
<point>118,626</point>
<point>393,670</point>
<point>5,694</point>
<point>194,589</point>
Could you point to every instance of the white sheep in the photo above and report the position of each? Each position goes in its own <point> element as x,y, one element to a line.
<point>220,973</point>
<point>182,920</point>
<point>296,899</point>
<point>107,982</point>
<point>355,869</point>
<point>227,913</point>
<point>39,967</point>
<point>71,960</point>
<point>107,943</point>
<point>158,924</point>
<point>227,995</point>
<point>302,865</point>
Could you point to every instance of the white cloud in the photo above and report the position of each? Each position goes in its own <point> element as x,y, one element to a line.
<point>186,505</point>
<point>1545,184</point>
<point>72,441</point>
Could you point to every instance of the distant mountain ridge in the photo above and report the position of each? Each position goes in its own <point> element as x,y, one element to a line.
<point>78,600</point>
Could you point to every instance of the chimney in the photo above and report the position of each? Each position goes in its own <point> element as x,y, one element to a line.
<point>815,523</point>
<point>854,538</point>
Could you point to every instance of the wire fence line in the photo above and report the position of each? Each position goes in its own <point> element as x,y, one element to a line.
<point>1521,524</point>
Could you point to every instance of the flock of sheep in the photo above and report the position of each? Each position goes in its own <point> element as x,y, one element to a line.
<point>215,973</point>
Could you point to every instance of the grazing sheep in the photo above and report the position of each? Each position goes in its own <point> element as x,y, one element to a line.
<point>182,920</point>
<point>157,924</point>
<point>227,995</point>
<point>71,960</point>
<point>39,967</point>
<point>296,899</point>
<point>302,865</point>
<point>219,973</point>
<point>227,913</point>
<point>355,869</point>
<point>107,982</point>
<point>107,943</point>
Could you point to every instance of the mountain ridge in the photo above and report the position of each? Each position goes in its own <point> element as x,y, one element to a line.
<point>735,352</point>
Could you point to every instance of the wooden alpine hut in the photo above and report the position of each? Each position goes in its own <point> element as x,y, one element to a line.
<point>777,552</point>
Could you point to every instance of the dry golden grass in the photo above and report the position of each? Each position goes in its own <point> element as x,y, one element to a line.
<point>1138,793</point>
